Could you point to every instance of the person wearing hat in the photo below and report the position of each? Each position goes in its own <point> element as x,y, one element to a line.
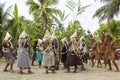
<point>72,57</point>
<point>39,54</point>
<point>23,54</point>
<point>64,51</point>
<point>83,49</point>
<point>34,54</point>
<point>48,56</point>
<point>7,48</point>
<point>55,47</point>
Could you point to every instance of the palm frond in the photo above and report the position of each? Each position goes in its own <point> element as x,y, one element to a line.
<point>82,9</point>
<point>108,11</point>
<point>71,5</point>
<point>33,6</point>
<point>15,12</point>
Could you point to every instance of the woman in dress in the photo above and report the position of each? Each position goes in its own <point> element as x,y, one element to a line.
<point>39,54</point>
<point>7,49</point>
<point>48,56</point>
<point>64,51</point>
<point>23,53</point>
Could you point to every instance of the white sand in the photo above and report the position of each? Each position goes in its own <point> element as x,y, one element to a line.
<point>39,74</point>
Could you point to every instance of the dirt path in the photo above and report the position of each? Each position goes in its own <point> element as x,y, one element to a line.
<point>39,74</point>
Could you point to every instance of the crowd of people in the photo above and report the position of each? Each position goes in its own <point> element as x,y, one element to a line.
<point>105,48</point>
<point>49,52</point>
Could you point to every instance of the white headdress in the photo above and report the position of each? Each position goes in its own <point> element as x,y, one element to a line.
<point>54,36</point>
<point>64,40</point>
<point>39,41</point>
<point>74,35</point>
<point>7,36</point>
<point>81,38</point>
<point>47,35</point>
<point>23,34</point>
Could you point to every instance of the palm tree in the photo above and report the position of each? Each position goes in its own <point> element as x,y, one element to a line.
<point>3,20</point>
<point>108,11</point>
<point>43,11</point>
<point>60,20</point>
<point>75,24</point>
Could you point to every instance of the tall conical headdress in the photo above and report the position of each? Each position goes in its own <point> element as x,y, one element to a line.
<point>54,36</point>
<point>47,35</point>
<point>81,38</point>
<point>64,40</point>
<point>7,36</point>
<point>74,35</point>
<point>39,41</point>
<point>23,34</point>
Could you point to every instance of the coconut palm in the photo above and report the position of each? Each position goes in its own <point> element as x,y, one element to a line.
<point>43,11</point>
<point>108,11</point>
<point>3,20</point>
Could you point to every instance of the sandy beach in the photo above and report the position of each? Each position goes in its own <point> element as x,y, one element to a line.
<point>39,73</point>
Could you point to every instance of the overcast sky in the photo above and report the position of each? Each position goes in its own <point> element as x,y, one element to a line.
<point>86,18</point>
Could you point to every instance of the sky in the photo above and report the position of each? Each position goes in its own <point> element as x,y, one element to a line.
<point>86,18</point>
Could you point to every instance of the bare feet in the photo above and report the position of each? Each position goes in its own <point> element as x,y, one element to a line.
<point>53,71</point>
<point>12,71</point>
<point>116,70</point>
<point>21,72</point>
<point>47,71</point>
<point>67,71</point>
<point>30,72</point>
<point>5,70</point>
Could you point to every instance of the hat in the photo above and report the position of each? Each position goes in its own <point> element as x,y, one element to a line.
<point>74,35</point>
<point>81,38</point>
<point>54,36</point>
<point>23,34</point>
<point>7,36</point>
<point>39,41</point>
<point>64,40</point>
<point>46,36</point>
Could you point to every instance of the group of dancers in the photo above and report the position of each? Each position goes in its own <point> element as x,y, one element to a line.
<point>49,52</point>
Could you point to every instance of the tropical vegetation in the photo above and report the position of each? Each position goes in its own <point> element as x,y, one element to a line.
<point>48,17</point>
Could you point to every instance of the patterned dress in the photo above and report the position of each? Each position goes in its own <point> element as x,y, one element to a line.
<point>7,51</point>
<point>23,55</point>
<point>48,57</point>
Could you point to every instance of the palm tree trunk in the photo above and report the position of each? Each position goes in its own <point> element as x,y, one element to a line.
<point>44,20</point>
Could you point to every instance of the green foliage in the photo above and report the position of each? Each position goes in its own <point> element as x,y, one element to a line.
<point>74,26</point>
<point>43,12</point>
<point>45,17</point>
<point>108,11</point>
<point>81,8</point>
<point>16,14</point>
<point>72,6</point>
<point>3,21</point>
<point>113,28</point>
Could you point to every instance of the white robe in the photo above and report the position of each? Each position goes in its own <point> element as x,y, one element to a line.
<point>48,58</point>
